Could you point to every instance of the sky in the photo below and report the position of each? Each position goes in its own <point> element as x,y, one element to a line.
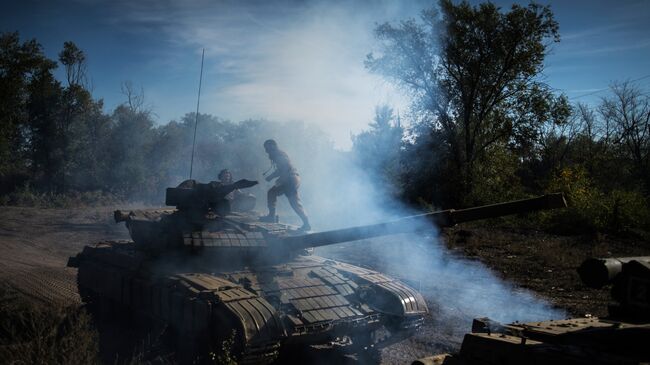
<point>298,60</point>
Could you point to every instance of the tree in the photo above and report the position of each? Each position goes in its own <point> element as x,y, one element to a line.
<point>132,138</point>
<point>77,109</point>
<point>43,107</point>
<point>378,148</point>
<point>472,73</point>
<point>74,61</point>
<point>628,112</point>
<point>20,65</point>
<point>134,99</point>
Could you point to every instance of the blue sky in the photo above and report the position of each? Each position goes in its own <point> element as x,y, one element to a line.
<point>297,60</point>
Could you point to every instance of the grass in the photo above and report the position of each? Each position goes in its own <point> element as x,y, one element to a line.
<point>28,197</point>
<point>32,332</point>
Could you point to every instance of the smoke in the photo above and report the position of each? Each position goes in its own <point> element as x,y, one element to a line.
<point>337,193</point>
<point>457,288</point>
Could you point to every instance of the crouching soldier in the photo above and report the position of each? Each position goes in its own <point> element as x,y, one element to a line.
<point>239,201</point>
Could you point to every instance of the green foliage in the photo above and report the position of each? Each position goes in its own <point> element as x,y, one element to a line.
<point>35,333</point>
<point>44,125</point>
<point>74,60</point>
<point>225,355</point>
<point>20,66</point>
<point>28,197</point>
<point>471,71</point>
<point>591,209</point>
<point>485,129</point>
<point>496,178</point>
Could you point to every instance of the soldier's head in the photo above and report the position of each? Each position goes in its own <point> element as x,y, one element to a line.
<point>225,176</point>
<point>270,146</point>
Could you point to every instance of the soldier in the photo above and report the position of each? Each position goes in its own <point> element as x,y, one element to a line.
<point>225,177</point>
<point>239,201</point>
<point>288,183</point>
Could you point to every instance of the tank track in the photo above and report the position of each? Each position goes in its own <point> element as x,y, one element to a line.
<point>190,304</point>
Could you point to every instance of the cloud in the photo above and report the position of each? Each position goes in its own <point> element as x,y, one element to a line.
<point>613,28</point>
<point>588,50</point>
<point>597,31</point>
<point>283,61</point>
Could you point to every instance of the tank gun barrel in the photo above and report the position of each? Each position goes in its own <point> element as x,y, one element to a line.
<point>444,218</point>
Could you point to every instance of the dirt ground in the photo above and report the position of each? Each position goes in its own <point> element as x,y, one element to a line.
<point>546,263</point>
<point>36,243</point>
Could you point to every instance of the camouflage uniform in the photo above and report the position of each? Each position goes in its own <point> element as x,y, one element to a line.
<point>288,183</point>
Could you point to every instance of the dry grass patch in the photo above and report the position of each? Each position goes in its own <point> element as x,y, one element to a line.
<point>32,332</point>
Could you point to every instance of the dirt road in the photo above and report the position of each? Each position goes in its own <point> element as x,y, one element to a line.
<point>35,245</point>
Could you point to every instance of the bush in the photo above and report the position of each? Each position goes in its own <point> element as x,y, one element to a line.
<point>592,210</point>
<point>495,178</point>
<point>28,197</point>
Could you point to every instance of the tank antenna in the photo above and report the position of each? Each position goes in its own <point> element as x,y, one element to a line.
<point>196,119</point>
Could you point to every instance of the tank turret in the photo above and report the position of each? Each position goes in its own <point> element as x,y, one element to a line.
<point>191,195</point>
<point>198,206</point>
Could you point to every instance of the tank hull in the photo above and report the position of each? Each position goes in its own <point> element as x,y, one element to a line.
<point>620,338</point>
<point>306,301</point>
<point>571,341</point>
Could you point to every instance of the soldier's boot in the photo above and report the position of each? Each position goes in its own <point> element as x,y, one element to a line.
<point>305,227</point>
<point>271,217</point>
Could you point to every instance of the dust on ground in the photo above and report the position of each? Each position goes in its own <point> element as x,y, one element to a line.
<point>35,245</point>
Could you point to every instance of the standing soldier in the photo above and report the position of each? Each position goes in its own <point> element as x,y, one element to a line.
<point>288,183</point>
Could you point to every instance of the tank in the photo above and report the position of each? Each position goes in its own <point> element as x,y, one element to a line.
<point>212,275</point>
<point>620,338</point>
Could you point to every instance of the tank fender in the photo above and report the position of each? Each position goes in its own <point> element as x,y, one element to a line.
<point>256,319</point>
<point>385,294</point>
